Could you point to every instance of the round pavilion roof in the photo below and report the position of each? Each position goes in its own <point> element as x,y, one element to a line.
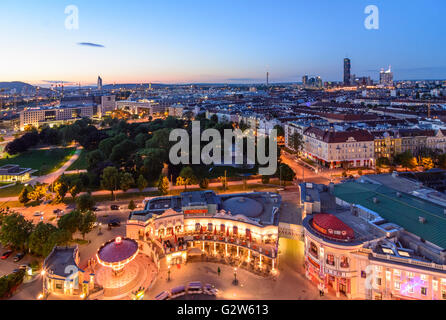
<point>245,206</point>
<point>118,250</point>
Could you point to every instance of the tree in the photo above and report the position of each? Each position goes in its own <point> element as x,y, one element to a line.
<point>61,189</point>
<point>142,183</point>
<point>406,160</point>
<point>86,222</point>
<point>296,142</point>
<point>153,162</point>
<point>85,202</point>
<point>94,158</point>
<point>39,192</point>
<point>188,176</point>
<point>163,185</point>
<point>442,161</point>
<point>204,183</point>
<point>126,181</point>
<point>23,196</point>
<point>132,205</point>
<point>280,131</point>
<point>265,179</point>
<point>285,173</point>
<point>70,222</point>
<point>224,182</point>
<point>15,231</point>
<point>39,238</point>
<point>74,191</point>
<point>427,163</point>
<point>121,151</point>
<point>383,161</point>
<point>110,180</point>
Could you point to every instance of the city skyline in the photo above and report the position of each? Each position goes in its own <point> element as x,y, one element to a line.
<point>225,42</point>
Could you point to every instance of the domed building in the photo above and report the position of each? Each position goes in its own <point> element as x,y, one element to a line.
<point>241,227</point>
<point>248,207</point>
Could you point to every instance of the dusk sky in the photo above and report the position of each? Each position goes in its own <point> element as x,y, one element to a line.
<point>231,41</point>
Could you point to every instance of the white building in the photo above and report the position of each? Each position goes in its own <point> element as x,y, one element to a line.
<point>37,117</point>
<point>332,148</point>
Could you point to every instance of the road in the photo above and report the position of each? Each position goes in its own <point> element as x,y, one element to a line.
<point>290,285</point>
<point>303,173</point>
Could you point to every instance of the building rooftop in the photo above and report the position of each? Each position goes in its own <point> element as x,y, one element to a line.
<point>59,259</point>
<point>13,170</point>
<point>261,207</point>
<point>417,216</point>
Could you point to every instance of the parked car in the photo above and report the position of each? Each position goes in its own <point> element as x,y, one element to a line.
<point>114,223</point>
<point>6,255</point>
<point>38,214</point>
<point>19,256</point>
<point>95,209</point>
<point>115,207</point>
<point>56,211</point>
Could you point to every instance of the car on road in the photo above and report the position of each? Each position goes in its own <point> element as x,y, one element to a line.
<point>19,256</point>
<point>114,223</point>
<point>38,214</point>
<point>115,207</point>
<point>95,209</point>
<point>6,255</point>
<point>58,212</point>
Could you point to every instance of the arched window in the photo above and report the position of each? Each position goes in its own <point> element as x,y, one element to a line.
<point>314,250</point>
<point>330,260</point>
<point>345,262</point>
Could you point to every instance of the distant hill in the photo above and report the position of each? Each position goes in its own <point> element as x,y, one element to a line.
<point>18,85</point>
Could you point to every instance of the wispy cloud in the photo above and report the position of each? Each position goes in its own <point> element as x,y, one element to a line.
<point>90,44</point>
<point>56,81</point>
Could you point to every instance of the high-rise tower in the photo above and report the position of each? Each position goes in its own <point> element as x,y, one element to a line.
<point>347,71</point>
<point>99,83</point>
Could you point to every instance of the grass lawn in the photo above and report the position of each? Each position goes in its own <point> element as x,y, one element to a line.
<point>80,163</point>
<point>46,161</point>
<point>11,191</point>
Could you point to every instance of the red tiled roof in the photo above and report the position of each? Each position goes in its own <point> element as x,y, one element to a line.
<point>339,136</point>
<point>332,227</point>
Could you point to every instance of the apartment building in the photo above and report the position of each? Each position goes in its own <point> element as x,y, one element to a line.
<point>387,144</point>
<point>379,244</point>
<point>333,149</point>
<point>37,117</point>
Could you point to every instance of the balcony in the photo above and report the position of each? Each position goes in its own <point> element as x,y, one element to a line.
<point>266,249</point>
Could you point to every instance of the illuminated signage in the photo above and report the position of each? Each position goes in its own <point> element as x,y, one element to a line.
<point>196,211</point>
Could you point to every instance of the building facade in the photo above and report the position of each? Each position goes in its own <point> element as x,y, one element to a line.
<point>243,227</point>
<point>36,117</point>
<point>334,149</point>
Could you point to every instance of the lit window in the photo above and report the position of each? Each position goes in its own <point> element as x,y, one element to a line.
<point>435,285</point>
<point>330,260</point>
<point>344,262</point>
<point>424,291</point>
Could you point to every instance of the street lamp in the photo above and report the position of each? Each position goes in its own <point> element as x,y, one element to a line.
<point>235,282</point>
<point>168,273</point>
